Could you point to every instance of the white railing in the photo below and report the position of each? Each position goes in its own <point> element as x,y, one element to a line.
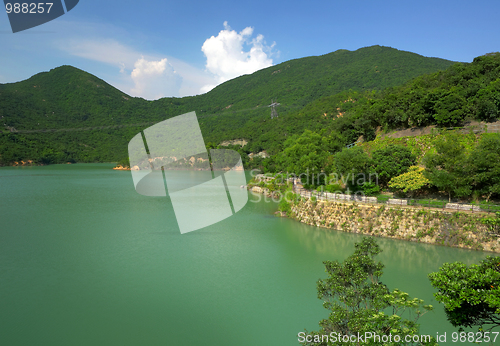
<point>328,196</point>
<point>457,207</point>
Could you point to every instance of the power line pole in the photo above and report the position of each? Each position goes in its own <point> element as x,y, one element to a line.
<point>273,105</point>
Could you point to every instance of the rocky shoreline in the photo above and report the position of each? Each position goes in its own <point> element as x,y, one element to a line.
<point>121,168</point>
<point>426,225</point>
<point>30,163</point>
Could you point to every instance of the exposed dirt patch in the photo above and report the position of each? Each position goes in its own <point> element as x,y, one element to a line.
<point>241,142</point>
<point>475,126</point>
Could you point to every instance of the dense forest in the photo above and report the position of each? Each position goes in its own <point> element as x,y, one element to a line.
<point>457,162</point>
<point>327,102</point>
<point>68,115</point>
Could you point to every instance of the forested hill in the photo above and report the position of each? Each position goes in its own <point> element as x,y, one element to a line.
<point>463,164</point>
<point>69,98</point>
<point>461,93</point>
<point>300,81</point>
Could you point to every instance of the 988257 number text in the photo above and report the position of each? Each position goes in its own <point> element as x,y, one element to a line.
<point>32,8</point>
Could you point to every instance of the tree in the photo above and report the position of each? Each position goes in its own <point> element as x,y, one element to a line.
<point>446,168</point>
<point>353,166</point>
<point>411,181</point>
<point>485,165</point>
<point>471,295</point>
<point>305,155</point>
<point>360,303</point>
<point>335,142</point>
<point>391,161</point>
<point>449,109</point>
<point>487,102</point>
<point>493,223</point>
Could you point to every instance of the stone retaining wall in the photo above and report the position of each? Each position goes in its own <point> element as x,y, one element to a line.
<point>457,229</point>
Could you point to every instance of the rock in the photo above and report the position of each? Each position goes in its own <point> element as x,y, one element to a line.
<point>121,168</point>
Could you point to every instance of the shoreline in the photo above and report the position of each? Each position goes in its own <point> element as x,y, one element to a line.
<point>121,168</point>
<point>434,226</point>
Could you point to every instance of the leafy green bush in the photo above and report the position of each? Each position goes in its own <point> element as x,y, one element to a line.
<point>411,181</point>
<point>391,161</point>
<point>284,206</point>
<point>370,189</point>
<point>493,223</point>
<point>334,188</point>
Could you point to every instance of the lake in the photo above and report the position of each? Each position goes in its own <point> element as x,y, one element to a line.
<point>86,260</point>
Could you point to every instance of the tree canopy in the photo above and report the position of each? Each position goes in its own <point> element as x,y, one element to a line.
<point>485,165</point>
<point>446,168</point>
<point>358,303</point>
<point>470,294</point>
<point>391,161</point>
<point>411,181</point>
<point>306,155</point>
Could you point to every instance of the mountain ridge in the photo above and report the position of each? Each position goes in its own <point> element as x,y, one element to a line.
<point>67,97</point>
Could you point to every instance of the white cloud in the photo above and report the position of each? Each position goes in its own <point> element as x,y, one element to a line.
<point>192,78</point>
<point>155,79</point>
<point>111,53</point>
<point>226,57</point>
<point>103,50</point>
<point>146,76</point>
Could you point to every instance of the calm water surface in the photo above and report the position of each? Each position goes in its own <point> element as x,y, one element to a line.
<point>85,260</point>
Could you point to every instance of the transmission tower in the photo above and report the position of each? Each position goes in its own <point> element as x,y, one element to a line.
<point>273,105</point>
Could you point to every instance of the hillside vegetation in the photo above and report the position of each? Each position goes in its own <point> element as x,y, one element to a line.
<point>68,115</point>
<point>464,166</point>
<point>445,98</point>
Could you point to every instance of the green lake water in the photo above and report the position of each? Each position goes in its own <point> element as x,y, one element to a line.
<point>85,260</point>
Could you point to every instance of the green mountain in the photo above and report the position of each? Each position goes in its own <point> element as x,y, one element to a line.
<point>446,98</point>
<point>460,95</point>
<point>67,114</point>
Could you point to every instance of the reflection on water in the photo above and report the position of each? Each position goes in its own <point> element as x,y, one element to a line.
<point>406,264</point>
<point>409,255</point>
<point>82,251</point>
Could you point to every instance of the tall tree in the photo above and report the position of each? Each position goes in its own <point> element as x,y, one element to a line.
<point>305,156</point>
<point>411,181</point>
<point>471,295</point>
<point>485,165</point>
<point>353,165</point>
<point>391,161</point>
<point>360,303</point>
<point>446,168</point>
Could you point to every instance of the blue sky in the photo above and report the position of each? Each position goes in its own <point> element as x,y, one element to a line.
<point>156,48</point>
